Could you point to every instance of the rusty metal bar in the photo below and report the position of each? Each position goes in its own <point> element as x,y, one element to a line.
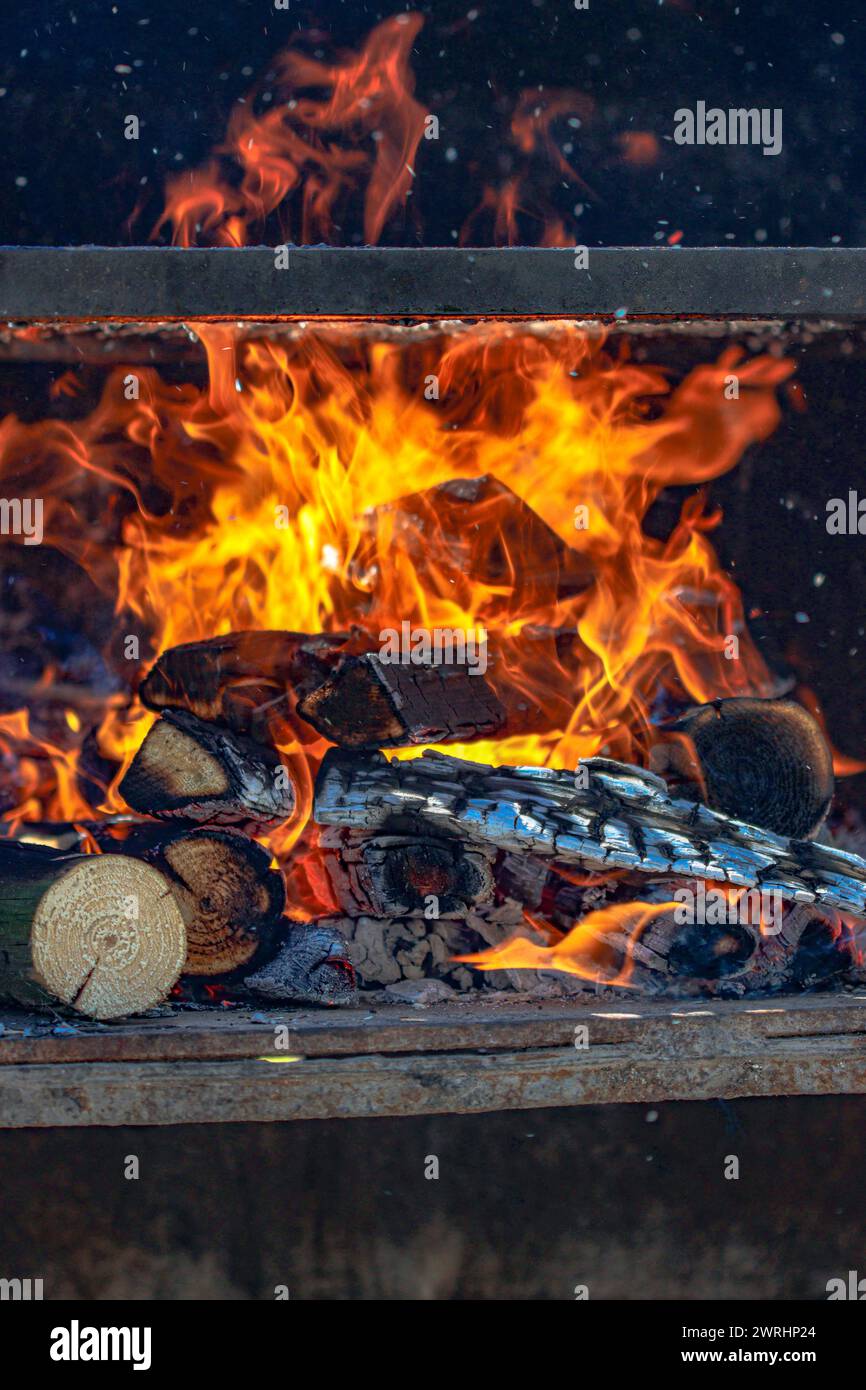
<point>147,283</point>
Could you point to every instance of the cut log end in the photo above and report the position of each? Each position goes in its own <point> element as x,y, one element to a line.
<point>765,762</point>
<point>108,937</point>
<point>198,771</point>
<point>230,898</point>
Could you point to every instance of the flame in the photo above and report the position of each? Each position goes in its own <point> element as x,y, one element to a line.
<point>286,156</point>
<point>589,950</point>
<point>270,498</point>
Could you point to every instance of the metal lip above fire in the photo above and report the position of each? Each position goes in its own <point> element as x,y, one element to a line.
<point>154,282</point>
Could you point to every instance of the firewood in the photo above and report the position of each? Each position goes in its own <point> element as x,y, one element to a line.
<point>310,967</point>
<point>198,771</point>
<point>102,933</point>
<point>765,762</point>
<point>371,703</point>
<point>230,897</point>
<point>396,876</point>
<point>471,531</point>
<point>614,817</point>
<point>242,678</point>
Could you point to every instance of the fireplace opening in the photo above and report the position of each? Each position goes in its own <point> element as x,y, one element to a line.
<point>420,661</point>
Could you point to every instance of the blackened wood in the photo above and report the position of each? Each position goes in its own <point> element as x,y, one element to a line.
<point>765,762</point>
<point>189,768</point>
<point>242,676</point>
<point>371,703</point>
<point>398,875</point>
<point>613,816</point>
<point>311,966</point>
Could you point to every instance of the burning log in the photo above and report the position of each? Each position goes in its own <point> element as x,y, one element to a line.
<point>101,933</point>
<point>310,967</point>
<point>198,771</point>
<point>401,876</point>
<point>765,762</point>
<point>477,531</point>
<point>371,703</point>
<point>244,678</point>
<point>612,816</point>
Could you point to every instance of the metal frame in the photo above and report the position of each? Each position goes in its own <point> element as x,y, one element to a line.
<point>147,283</point>
<point>464,1057</point>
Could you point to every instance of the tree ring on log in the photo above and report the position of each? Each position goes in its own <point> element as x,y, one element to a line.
<point>108,937</point>
<point>765,762</point>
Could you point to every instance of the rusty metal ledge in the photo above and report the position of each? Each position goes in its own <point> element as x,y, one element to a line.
<point>462,1058</point>
<point>147,283</point>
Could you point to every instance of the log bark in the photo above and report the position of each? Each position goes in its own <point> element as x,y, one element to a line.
<point>101,933</point>
<point>202,772</point>
<point>311,966</point>
<point>613,816</point>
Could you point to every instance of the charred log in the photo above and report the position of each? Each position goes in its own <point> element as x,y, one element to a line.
<point>616,817</point>
<point>765,762</point>
<point>371,703</point>
<point>395,876</point>
<point>198,771</point>
<point>310,967</point>
<point>101,933</point>
<point>243,679</point>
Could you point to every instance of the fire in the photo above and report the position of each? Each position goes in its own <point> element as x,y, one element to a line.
<point>586,951</point>
<point>270,497</point>
<point>287,155</point>
<point>265,499</point>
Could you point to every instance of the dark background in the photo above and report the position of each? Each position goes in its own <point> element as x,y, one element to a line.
<point>63,103</point>
<point>630,1200</point>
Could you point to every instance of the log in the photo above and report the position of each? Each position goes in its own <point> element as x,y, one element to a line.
<point>244,679</point>
<point>527,687</point>
<point>310,967</point>
<point>765,762</point>
<point>471,531</point>
<point>101,933</point>
<point>613,816</point>
<point>200,772</point>
<point>404,876</point>
<point>230,897</point>
<point>371,703</point>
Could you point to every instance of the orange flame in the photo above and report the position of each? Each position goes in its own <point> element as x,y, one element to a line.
<point>287,151</point>
<point>588,950</point>
<point>270,499</point>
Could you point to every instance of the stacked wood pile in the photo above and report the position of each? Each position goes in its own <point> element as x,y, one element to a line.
<point>428,860</point>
